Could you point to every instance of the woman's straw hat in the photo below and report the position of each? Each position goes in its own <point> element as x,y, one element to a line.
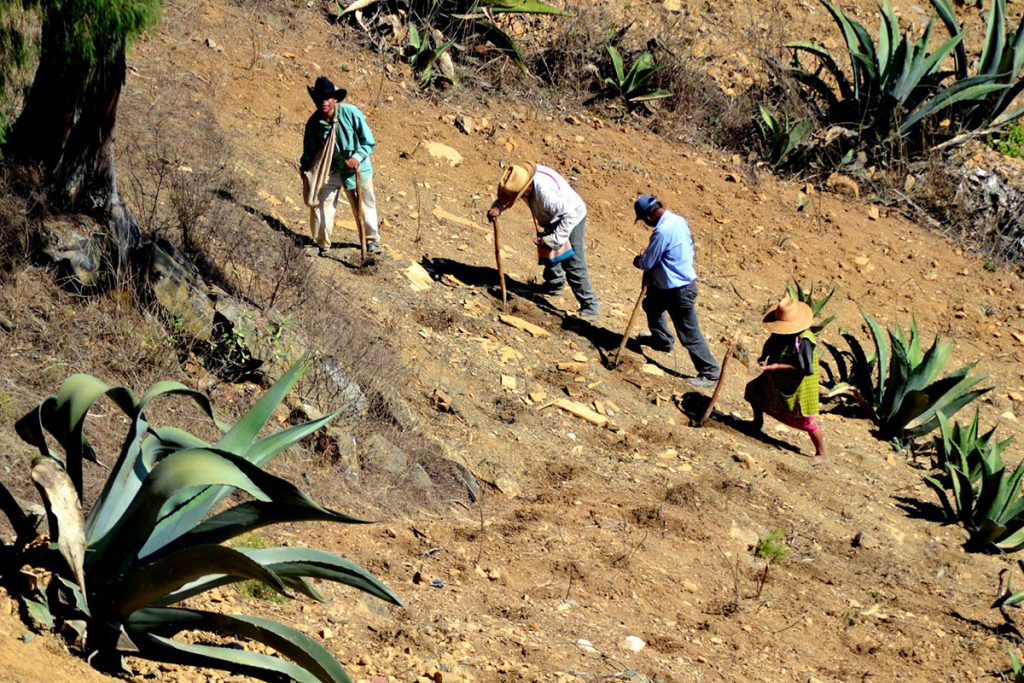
<point>515,182</point>
<point>788,317</point>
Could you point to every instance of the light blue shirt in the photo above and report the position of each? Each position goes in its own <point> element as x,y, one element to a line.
<point>669,255</point>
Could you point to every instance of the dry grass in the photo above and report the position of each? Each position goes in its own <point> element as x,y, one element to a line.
<point>20,206</point>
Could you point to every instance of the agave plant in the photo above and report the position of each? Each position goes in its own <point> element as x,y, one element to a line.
<point>635,84</point>
<point>780,137</point>
<point>901,384</point>
<point>1007,596</point>
<point>155,535</point>
<point>999,70</point>
<point>965,446</point>
<point>990,509</point>
<point>796,291</point>
<point>424,52</point>
<point>898,85</point>
<point>1016,668</point>
<point>465,22</point>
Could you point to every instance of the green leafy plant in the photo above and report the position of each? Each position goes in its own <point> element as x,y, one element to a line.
<point>1007,596</point>
<point>772,547</point>
<point>635,84</point>
<point>965,446</point>
<point>423,54</point>
<point>467,23</point>
<point>155,536</point>
<point>896,85</point>
<point>1011,143</point>
<point>1016,668</point>
<point>780,137</point>
<point>902,385</point>
<point>990,509</point>
<point>796,291</point>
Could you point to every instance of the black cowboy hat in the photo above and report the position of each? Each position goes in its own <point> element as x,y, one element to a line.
<point>323,89</point>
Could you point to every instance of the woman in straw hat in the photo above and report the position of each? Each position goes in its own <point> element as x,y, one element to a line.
<point>787,388</point>
<point>560,217</point>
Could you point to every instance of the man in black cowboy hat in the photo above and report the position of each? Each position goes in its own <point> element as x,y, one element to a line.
<point>350,153</point>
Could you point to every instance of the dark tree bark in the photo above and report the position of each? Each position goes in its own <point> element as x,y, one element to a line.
<point>67,129</point>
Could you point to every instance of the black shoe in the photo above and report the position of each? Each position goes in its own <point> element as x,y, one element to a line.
<point>322,251</point>
<point>649,340</point>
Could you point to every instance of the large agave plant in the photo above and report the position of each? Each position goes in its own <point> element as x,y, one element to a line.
<point>897,85</point>
<point>155,535</point>
<point>901,384</point>
<point>990,509</point>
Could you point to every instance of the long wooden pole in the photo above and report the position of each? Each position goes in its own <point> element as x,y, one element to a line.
<point>497,259</point>
<point>721,381</point>
<point>359,215</point>
<point>632,319</point>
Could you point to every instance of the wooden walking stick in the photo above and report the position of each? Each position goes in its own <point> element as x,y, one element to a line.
<point>721,381</point>
<point>632,319</point>
<point>359,215</point>
<point>497,258</point>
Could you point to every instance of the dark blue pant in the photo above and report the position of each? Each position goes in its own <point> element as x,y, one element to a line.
<point>680,304</point>
<point>574,271</point>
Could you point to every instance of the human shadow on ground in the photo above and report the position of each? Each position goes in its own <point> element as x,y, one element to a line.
<point>605,341</point>
<point>277,225</point>
<point>694,403</point>
<point>919,509</point>
<point>519,292</point>
<point>1004,629</point>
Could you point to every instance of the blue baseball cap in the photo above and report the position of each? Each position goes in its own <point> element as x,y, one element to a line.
<point>644,205</point>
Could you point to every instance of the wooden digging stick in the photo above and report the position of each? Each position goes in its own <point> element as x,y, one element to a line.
<point>359,215</point>
<point>721,381</point>
<point>497,259</point>
<point>632,319</point>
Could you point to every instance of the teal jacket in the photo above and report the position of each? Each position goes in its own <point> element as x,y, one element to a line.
<point>354,139</point>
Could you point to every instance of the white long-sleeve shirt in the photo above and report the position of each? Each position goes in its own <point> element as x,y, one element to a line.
<point>556,207</point>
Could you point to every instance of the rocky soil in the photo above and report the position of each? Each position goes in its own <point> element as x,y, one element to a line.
<point>618,547</point>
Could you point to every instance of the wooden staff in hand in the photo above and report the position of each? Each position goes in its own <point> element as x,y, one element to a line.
<point>497,259</point>
<point>632,319</point>
<point>359,215</point>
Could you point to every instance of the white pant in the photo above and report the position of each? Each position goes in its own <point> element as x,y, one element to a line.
<point>321,218</point>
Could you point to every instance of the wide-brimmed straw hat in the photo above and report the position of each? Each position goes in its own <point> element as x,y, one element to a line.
<point>515,181</point>
<point>323,89</point>
<point>788,317</point>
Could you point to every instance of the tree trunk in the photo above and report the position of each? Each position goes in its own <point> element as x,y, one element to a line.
<point>67,128</point>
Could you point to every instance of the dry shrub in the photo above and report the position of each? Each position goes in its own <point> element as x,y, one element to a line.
<point>20,204</point>
<point>570,62</point>
<point>175,178</point>
<point>699,111</point>
<point>975,207</point>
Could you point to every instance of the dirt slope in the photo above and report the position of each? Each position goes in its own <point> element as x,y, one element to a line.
<point>644,529</point>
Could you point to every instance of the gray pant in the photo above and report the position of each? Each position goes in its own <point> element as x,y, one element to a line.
<point>574,271</point>
<point>680,304</point>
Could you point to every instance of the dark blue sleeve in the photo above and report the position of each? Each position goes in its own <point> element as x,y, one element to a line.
<point>805,357</point>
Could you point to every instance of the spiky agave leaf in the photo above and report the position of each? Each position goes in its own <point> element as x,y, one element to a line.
<point>305,652</point>
<point>292,563</point>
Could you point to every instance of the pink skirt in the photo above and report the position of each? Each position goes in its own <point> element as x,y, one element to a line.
<point>803,423</point>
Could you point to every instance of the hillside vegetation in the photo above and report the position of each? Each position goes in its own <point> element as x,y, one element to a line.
<point>527,543</point>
